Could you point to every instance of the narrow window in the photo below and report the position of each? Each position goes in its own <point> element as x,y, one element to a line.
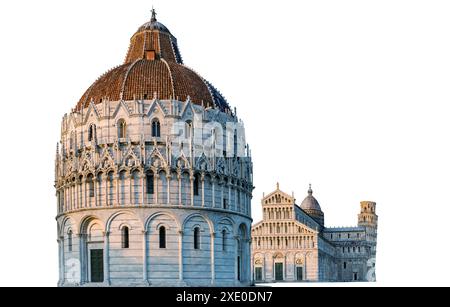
<point>188,132</point>
<point>156,129</point>
<point>92,133</point>
<point>224,240</point>
<point>69,240</point>
<point>197,238</point>
<point>162,237</point>
<point>125,237</point>
<point>345,265</point>
<point>150,183</point>
<point>121,129</point>
<point>90,181</point>
<point>196,185</point>
<point>225,205</point>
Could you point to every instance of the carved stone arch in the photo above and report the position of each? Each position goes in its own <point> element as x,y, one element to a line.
<point>87,221</point>
<point>225,222</point>
<point>120,106</point>
<point>278,256</point>
<point>188,111</point>
<point>161,213</point>
<point>122,212</point>
<point>159,108</point>
<point>131,160</point>
<point>221,168</point>
<point>183,162</point>
<point>92,110</point>
<point>157,160</point>
<point>64,222</point>
<point>206,219</point>
<point>203,163</point>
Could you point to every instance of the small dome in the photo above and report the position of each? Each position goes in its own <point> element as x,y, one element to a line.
<point>153,24</point>
<point>310,203</point>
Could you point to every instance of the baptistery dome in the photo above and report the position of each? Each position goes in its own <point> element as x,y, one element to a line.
<point>153,177</point>
<point>153,68</point>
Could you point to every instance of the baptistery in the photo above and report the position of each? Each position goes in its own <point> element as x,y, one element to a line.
<point>153,177</point>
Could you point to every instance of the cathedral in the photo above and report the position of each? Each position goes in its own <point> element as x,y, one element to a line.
<point>153,177</point>
<point>292,244</point>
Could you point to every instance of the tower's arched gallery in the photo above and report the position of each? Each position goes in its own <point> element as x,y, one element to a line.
<point>153,177</point>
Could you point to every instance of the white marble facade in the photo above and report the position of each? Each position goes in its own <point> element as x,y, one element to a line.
<point>290,245</point>
<point>157,211</point>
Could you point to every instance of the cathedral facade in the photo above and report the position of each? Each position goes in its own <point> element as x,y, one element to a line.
<point>292,244</point>
<point>153,177</point>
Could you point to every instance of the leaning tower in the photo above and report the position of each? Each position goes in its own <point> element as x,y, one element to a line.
<point>153,177</point>
<point>369,220</point>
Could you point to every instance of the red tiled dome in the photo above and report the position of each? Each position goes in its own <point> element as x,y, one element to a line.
<point>153,66</point>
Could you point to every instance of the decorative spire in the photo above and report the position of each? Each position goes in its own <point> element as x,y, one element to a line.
<point>153,15</point>
<point>310,191</point>
<point>278,185</point>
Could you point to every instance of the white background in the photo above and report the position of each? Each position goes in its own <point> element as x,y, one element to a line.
<point>352,96</point>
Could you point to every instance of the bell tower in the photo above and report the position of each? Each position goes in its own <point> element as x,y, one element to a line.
<point>368,217</point>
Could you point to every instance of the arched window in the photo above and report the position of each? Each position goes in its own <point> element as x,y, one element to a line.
<point>196,238</point>
<point>72,141</point>
<point>188,130</point>
<point>92,133</point>
<point>162,237</point>
<point>125,237</point>
<point>90,181</point>
<point>196,184</point>
<point>121,129</point>
<point>111,188</point>
<point>69,240</point>
<point>224,240</point>
<point>156,129</point>
<point>150,180</point>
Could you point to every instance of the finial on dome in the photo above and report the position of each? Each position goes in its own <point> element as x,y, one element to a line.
<point>310,191</point>
<point>153,15</point>
<point>278,185</point>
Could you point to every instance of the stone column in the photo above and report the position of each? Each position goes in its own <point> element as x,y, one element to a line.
<point>179,177</point>
<point>213,189</point>
<point>106,280</point>
<point>117,181</point>
<point>222,188</point>
<point>236,199</point>
<point>143,191</point>
<point>142,179</point>
<point>203,190</point>
<point>94,182</point>
<point>168,180</point>
<point>81,256</point>
<point>236,254</point>
<point>145,257</point>
<point>130,187</point>
<point>180,255</point>
<point>213,262</point>
<point>105,191</point>
<point>156,185</point>
<point>229,197</point>
<point>191,179</point>
<point>61,261</point>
